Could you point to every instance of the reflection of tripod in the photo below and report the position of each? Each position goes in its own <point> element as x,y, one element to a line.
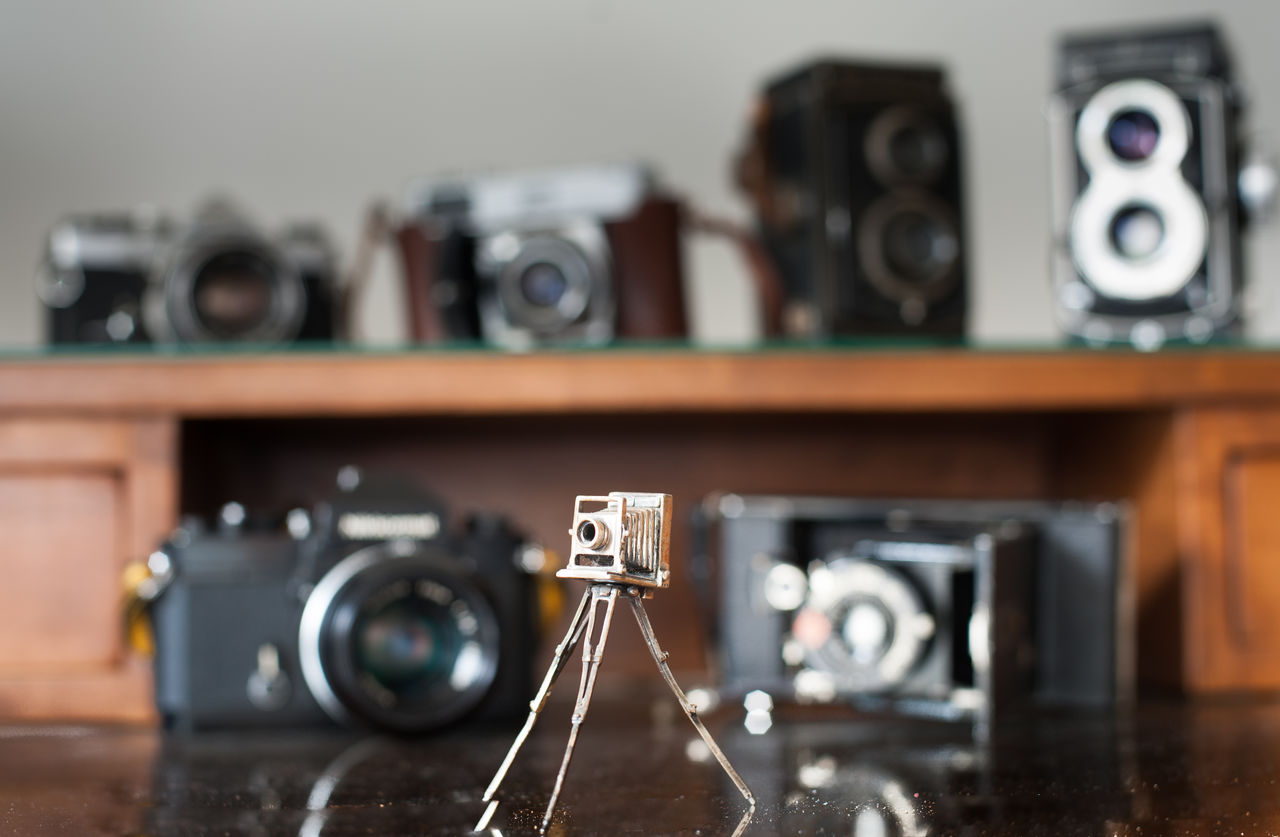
<point>584,622</point>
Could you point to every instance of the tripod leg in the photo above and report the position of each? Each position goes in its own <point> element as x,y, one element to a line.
<point>591,657</point>
<point>660,657</point>
<point>558,662</point>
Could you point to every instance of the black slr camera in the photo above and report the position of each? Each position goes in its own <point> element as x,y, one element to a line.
<point>142,278</point>
<point>365,611</point>
<point>854,171</point>
<point>952,610</point>
<point>1146,164</point>
<point>578,255</point>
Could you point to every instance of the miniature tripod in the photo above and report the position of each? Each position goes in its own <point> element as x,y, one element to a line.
<point>605,593</point>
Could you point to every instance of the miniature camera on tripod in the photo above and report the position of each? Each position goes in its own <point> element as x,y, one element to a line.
<point>622,538</point>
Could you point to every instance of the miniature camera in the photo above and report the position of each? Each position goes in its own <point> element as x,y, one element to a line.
<point>367,611</point>
<point>144,279</point>
<point>623,537</point>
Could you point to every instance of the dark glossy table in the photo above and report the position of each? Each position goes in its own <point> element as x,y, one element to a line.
<point>1167,769</point>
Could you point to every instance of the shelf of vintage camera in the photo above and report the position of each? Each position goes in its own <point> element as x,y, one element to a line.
<point>101,451</point>
<point>646,377</point>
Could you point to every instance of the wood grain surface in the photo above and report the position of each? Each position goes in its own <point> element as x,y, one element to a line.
<point>476,382</point>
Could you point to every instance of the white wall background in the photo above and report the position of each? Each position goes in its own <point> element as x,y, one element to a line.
<point>307,109</point>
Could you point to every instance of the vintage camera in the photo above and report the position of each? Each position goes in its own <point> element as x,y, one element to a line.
<point>623,538</point>
<point>142,278</point>
<point>952,610</point>
<point>854,171</point>
<point>579,255</point>
<point>365,611</point>
<point>1146,164</point>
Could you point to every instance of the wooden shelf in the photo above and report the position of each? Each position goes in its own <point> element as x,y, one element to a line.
<point>482,383</point>
<point>101,453</point>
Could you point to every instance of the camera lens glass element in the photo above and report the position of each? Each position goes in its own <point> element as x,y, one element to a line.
<point>918,247</point>
<point>543,284</point>
<point>403,642</point>
<point>918,150</point>
<point>1137,232</point>
<point>867,630</point>
<point>1133,135</point>
<point>232,293</point>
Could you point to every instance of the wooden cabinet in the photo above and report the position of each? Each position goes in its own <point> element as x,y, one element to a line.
<point>1229,539</point>
<point>99,456</point>
<point>79,497</point>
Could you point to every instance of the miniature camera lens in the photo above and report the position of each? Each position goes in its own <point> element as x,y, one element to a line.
<point>918,247</point>
<point>232,293</point>
<point>592,534</point>
<point>1133,135</point>
<point>918,150</point>
<point>1137,232</point>
<point>543,284</point>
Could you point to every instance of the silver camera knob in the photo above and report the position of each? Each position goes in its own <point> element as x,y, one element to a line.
<point>269,687</point>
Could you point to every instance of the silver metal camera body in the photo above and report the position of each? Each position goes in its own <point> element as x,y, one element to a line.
<point>543,268</point>
<point>623,538</point>
<point>143,277</point>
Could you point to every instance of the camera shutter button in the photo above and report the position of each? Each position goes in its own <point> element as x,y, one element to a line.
<point>269,687</point>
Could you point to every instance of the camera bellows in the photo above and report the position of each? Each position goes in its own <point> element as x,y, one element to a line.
<point>640,551</point>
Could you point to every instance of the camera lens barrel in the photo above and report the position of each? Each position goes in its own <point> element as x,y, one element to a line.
<point>401,640</point>
<point>231,285</point>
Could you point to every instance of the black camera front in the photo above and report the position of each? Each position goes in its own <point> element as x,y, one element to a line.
<point>855,174</point>
<point>366,611</point>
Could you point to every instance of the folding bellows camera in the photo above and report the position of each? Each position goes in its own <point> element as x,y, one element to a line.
<point>945,609</point>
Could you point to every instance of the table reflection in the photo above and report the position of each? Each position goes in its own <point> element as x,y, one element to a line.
<point>1172,769</point>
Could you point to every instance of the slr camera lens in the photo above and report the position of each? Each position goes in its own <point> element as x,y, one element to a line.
<point>398,640</point>
<point>405,643</point>
<point>1133,135</point>
<point>230,286</point>
<point>232,293</point>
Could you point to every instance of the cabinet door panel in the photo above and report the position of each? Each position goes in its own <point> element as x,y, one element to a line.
<point>1251,566</point>
<point>61,557</point>
<point>78,499</point>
